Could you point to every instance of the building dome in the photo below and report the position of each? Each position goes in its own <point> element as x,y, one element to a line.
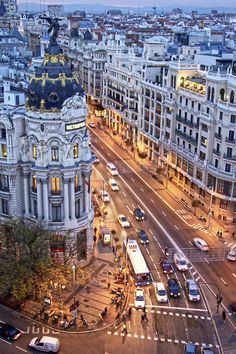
<point>52,83</point>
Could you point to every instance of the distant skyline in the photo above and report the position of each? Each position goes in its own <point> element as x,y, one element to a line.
<point>141,3</point>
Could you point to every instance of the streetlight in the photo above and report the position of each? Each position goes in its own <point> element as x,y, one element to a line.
<point>73,273</point>
<point>210,207</point>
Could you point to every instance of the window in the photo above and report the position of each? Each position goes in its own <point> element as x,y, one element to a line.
<point>227,167</point>
<point>4,183</point>
<point>77,208</point>
<point>199,107</point>
<point>231,99</point>
<point>34,151</point>
<point>229,152</point>
<point>3,134</point>
<point>221,116</point>
<point>56,185</point>
<point>76,183</point>
<point>192,104</point>
<point>34,184</point>
<point>4,151</point>
<point>56,212</point>
<point>55,153</point>
<point>5,207</point>
<point>75,151</point>
<point>224,204</point>
<point>233,118</point>
<point>199,175</point>
<point>222,94</point>
<point>180,99</point>
<point>208,110</point>
<point>231,135</point>
<point>216,163</point>
<point>186,102</point>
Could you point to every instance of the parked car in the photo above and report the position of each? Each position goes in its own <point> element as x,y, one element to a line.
<point>173,287</point>
<point>143,237</point>
<point>92,125</point>
<point>45,344</point>
<point>201,244</point>
<point>139,299</point>
<point>190,348</point>
<point>161,293</point>
<point>232,306</point>
<point>180,261</point>
<point>192,290</point>
<point>123,221</point>
<point>139,214</point>
<point>8,331</point>
<point>105,196</point>
<point>166,266</point>
<point>205,349</point>
<point>231,256</point>
<point>114,186</point>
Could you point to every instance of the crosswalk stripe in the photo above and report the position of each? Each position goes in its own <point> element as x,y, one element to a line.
<point>35,330</point>
<point>45,330</point>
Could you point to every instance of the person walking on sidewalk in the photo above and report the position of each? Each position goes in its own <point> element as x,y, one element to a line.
<point>129,312</point>
<point>124,328</point>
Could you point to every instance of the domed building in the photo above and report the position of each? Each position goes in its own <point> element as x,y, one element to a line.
<point>48,161</point>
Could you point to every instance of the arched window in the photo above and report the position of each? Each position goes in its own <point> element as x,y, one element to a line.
<point>212,94</point>
<point>231,99</point>
<point>222,94</point>
<point>182,81</point>
<point>208,93</point>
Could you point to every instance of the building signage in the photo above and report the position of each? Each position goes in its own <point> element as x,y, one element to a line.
<point>74,126</point>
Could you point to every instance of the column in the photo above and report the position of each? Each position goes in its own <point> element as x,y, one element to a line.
<point>45,199</point>
<point>39,198</point>
<point>72,199</point>
<point>66,200</point>
<point>26,194</point>
<point>86,194</point>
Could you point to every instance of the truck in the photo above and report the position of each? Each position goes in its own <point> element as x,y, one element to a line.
<point>105,234</point>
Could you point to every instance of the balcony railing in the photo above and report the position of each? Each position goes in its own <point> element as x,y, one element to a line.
<point>56,192</point>
<point>228,157</point>
<point>186,137</point>
<point>216,152</point>
<point>228,140</point>
<point>218,136</point>
<point>4,189</point>
<point>187,122</point>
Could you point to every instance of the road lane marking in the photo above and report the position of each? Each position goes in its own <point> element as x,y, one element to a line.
<point>4,340</point>
<point>141,189</point>
<point>190,242</point>
<point>176,227</point>
<point>132,179</point>
<point>223,281</point>
<point>23,350</point>
<point>152,201</point>
<point>206,260</point>
<point>234,275</point>
<point>163,213</point>
<point>147,250</point>
<point>155,238</point>
<point>151,232</point>
<point>152,259</point>
<point>124,194</point>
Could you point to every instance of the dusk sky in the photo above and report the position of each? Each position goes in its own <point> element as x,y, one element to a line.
<point>158,3</point>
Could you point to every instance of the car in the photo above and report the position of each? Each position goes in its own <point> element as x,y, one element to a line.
<point>123,221</point>
<point>45,344</point>
<point>161,293</point>
<point>105,196</point>
<point>201,244</point>
<point>192,290</point>
<point>143,237</point>
<point>139,214</point>
<point>114,186</point>
<point>92,125</point>
<point>232,306</point>
<point>190,348</point>
<point>205,349</point>
<point>180,261</point>
<point>173,287</point>
<point>231,256</point>
<point>139,299</point>
<point>8,331</point>
<point>166,266</point>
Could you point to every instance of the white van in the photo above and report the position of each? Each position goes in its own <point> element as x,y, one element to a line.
<point>161,293</point>
<point>45,344</point>
<point>111,168</point>
<point>112,183</point>
<point>180,261</point>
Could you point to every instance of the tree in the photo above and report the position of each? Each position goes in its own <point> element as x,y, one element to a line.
<point>26,265</point>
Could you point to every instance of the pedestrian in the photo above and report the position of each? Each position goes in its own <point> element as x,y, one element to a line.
<point>142,318</point>
<point>223,316</point>
<point>145,317</point>
<point>124,328</point>
<point>129,312</point>
<point>82,317</point>
<point>221,233</point>
<point>124,316</point>
<point>95,231</point>
<point>118,316</point>
<point>113,249</point>
<point>144,309</point>
<point>105,310</point>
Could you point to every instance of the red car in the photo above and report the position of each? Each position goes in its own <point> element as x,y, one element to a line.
<point>166,266</point>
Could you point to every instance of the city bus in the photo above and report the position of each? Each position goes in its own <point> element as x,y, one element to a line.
<point>139,268</point>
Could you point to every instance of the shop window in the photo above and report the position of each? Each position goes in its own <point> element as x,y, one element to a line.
<point>56,185</point>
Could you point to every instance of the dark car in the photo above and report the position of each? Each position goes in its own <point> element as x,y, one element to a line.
<point>173,287</point>
<point>143,237</point>
<point>139,214</point>
<point>9,331</point>
<point>190,348</point>
<point>232,306</point>
<point>166,266</point>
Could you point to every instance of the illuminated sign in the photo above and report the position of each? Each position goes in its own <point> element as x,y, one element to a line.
<point>74,126</point>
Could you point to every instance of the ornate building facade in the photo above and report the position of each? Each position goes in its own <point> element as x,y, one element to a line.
<point>45,161</point>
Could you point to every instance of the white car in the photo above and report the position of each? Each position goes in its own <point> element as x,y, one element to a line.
<point>114,186</point>
<point>201,244</point>
<point>92,125</point>
<point>180,261</point>
<point>123,221</point>
<point>45,344</point>
<point>139,300</point>
<point>231,256</point>
<point>105,196</point>
<point>161,293</point>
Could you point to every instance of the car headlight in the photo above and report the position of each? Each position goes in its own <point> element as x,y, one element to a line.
<point>179,294</point>
<point>171,294</point>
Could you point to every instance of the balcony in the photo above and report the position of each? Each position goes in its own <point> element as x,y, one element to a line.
<point>218,136</point>
<point>216,152</point>
<point>56,192</point>
<point>186,122</point>
<point>186,137</point>
<point>4,189</point>
<point>231,141</point>
<point>231,158</point>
